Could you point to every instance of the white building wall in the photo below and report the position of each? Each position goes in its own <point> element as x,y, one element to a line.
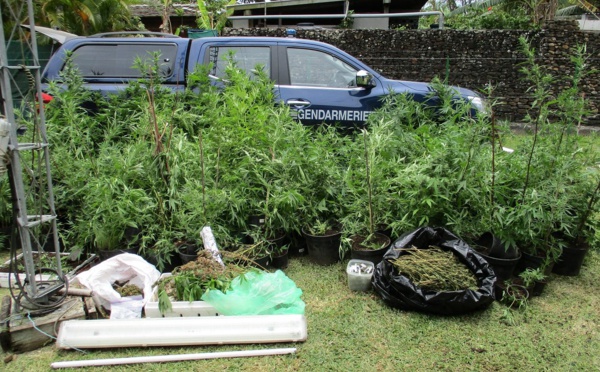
<point>371,23</point>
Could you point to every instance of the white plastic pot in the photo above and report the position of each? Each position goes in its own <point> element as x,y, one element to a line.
<point>360,273</point>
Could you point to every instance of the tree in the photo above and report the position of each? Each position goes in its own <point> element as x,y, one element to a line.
<point>538,11</point>
<point>580,7</point>
<point>86,17</point>
<point>213,13</point>
<point>166,7</point>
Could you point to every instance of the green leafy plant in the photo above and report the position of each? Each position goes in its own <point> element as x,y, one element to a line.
<point>489,16</point>
<point>531,276</point>
<point>368,181</point>
<point>348,20</point>
<point>259,248</point>
<point>320,227</point>
<point>170,163</point>
<point>553,167</point>
<point>49,260</point>
<point>508,317</point>
<point>6,212</point>
<point>180,12</point>
<point>213,13</point>
<point>131,209</point>
<point>515,296</point>
<point>320,170</point>
<point>192,280</point>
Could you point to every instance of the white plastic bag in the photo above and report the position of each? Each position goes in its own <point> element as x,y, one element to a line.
<point>127,308</point>
<point>125,267</point>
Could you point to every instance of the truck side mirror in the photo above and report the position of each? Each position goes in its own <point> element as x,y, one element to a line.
<point>365,80</point>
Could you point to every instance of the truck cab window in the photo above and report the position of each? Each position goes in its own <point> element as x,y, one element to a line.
<point>117,60</point>
<point>314,68</point>
<point>246,58</point>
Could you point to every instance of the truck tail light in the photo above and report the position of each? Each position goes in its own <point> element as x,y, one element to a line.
<point>46,98</point>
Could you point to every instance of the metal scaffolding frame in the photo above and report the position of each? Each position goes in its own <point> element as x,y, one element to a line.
<point>28,163</point>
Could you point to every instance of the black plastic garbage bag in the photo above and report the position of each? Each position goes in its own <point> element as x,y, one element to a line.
<point>399,292</point>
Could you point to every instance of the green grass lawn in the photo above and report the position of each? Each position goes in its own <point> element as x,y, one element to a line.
<point>356,331</point>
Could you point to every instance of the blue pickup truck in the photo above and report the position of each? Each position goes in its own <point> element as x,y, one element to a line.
<point>321,83</point>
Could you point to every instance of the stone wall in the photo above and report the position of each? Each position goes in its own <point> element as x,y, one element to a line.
<point>471,59</point>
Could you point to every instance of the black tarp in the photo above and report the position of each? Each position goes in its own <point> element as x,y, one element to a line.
<point>398,291</point>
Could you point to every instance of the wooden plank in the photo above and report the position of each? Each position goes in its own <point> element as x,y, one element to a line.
<point>31,333</point>
<point>4,315</point>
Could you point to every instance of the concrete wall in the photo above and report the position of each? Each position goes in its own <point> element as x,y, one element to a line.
<point>589,24</point>
<point>470,58</point>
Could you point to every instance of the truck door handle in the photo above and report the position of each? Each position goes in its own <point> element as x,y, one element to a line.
<point>297,103</point>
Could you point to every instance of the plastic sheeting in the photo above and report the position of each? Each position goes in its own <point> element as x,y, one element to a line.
<point>398,291</point>
<point>258,293</point>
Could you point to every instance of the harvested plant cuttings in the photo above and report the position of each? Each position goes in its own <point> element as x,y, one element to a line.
<point>435,269</point>
<point>129,290</point>
<point>190,281</point>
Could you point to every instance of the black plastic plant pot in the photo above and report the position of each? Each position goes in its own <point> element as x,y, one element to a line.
<point>323,250</point>
<point>105,255</point>
<point>187,252</point>
<point>280,261</point>
<point>279,248</point>
<point>297,246</point>
<point>503,268</point>
<point>570,261</point>
<point>494,247</point>
<point>385,230</point>
<point>515,296</point>
<point>276,244</point>
<point>371,255</point>
<point>533,262</point>
<point>262,262</point>
<point>174,258</point>
<point>256,220</point>
<point>538,288</point>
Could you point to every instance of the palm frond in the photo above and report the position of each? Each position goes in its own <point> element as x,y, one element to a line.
<point>570,10</point>
<point>479,5</point>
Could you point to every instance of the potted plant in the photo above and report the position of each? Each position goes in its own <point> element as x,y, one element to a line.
<point>110,209</point>
<point>534,280</point>
<point>160,251</point>
<point>515,296</point>
<point>582,205</point>
<point>197,200</point>
<point>323,152</point>
<point>323,240</point>
<point>257,253</point>
<point>490,247</point>
<point>321,175</point>
<point>265,236</point>
<point>553,166</point>
<point>274,211</point>
<point>187,250</point>
<point>368,184</point>
<point>279,255</point>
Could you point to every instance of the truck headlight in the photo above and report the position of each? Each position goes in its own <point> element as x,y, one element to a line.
<point>478,103</point>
